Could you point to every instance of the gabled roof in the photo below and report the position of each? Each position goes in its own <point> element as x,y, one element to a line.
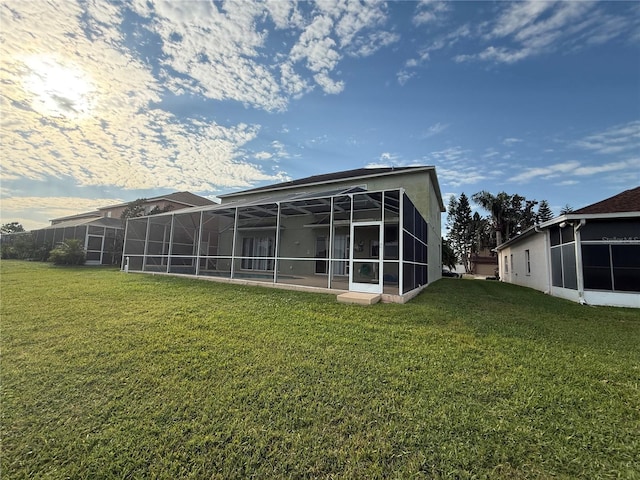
<point>355,175</point>
<point>186,198</point>
<point>99,222</point>
<point>93,214</point>
<point>627,201</point>
<point>324,178</point>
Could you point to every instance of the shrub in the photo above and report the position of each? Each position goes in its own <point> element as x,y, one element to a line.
<point>69,252</point>
<point>18,246</point>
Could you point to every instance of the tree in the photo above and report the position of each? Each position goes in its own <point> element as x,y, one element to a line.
<point>460,229</point>
<point>497,206</point>
<point>510,214</point>
<point>21,246</point>
<point>544,212</point>
<point>566,209</point>
<point>134,209</point>
<point>137,209</point>
<point>449,257</point>
<point>13,227</point>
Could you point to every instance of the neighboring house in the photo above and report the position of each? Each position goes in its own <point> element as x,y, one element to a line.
<point>366,230</point>
<point>101,232</point>
<point>171,201</point>
<point>484,263</point>
<point>591,255</point>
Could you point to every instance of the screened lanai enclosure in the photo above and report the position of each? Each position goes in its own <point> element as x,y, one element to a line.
<point>101,238</point>
<point>346,240</point>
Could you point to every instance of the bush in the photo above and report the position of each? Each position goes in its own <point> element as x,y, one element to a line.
<point>18,246</point>
<point>69,252</point>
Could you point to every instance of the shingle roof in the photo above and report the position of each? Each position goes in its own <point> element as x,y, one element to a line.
<point>627,201</point>
<point>327,177</point>
<point>187,198</point>
<point>99,222</point>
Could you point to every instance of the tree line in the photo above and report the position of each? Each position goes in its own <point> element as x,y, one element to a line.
<point>508,216</point>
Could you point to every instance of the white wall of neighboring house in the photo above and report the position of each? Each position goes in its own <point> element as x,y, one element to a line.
<point>515,269</point>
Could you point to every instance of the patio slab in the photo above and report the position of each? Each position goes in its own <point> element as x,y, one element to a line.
<point>359,298</point>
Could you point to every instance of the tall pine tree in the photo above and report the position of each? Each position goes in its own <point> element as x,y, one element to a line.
<point>460,229</point>
<point>544,212</point>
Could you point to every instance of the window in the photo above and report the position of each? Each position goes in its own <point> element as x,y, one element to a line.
<point>527,261</point>
<point>506,264</point>
<point>563,258</point>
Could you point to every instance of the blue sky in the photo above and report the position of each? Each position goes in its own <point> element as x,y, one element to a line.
<point>108,102</point>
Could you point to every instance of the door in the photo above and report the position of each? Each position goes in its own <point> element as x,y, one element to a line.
<point>366,257</point>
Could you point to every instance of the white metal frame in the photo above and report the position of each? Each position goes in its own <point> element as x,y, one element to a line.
<point>366,287</point>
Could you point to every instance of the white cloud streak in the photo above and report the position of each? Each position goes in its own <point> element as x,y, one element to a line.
<point>530,28</point>
<point>614,140</point>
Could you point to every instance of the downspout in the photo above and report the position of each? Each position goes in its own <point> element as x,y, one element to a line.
<point>579,273</point>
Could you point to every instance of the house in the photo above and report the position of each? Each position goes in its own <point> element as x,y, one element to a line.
<point>366,230</point>
<point>101,231</point>
<point>171,201</point>
<point>591,255</point>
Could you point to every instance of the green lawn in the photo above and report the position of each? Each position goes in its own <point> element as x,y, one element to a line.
<point>113,375</point>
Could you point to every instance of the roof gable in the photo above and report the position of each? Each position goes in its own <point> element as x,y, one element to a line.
<point>327,178</point>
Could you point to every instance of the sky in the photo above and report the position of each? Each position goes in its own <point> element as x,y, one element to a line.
<point>102,103</point>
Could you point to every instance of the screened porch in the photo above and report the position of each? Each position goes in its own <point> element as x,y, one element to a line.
<point>342,240</point>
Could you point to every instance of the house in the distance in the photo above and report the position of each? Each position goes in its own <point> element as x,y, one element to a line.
<point>366,230</point>
<point>101,231</point>
<point>591,255</point>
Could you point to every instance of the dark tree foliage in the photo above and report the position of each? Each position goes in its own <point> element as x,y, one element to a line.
<point>544,212</point>
<point>449,257</point>
<point>461,231</point>
<point>137,209</point>
<point>510,215</point>
<point>566,209</point>
<point>134,209</point>
<point>12,227</point>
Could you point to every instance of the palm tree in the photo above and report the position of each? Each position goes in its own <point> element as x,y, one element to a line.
<point>497,206</point>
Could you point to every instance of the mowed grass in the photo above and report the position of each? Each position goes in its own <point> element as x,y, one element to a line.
<point>113,375</point>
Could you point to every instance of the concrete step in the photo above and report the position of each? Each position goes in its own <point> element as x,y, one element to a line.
<point>359,298</point>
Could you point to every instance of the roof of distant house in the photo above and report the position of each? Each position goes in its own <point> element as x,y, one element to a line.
<point>187,198</point>
<point>627,201</point>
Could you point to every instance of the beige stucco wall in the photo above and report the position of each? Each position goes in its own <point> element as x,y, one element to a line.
<point>417,185</point>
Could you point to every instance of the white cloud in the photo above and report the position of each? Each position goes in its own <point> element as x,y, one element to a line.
<point>511,141</point>
<point>528,28</point>
<point>573,168</point>
<point>122,140</point>
<point>614,140</point>
<point>549,171</point>
<point>404,76</point>
<point>328,85</point>
<point>435,129</point>
<point>633,164</point>
<point>429,11</point>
